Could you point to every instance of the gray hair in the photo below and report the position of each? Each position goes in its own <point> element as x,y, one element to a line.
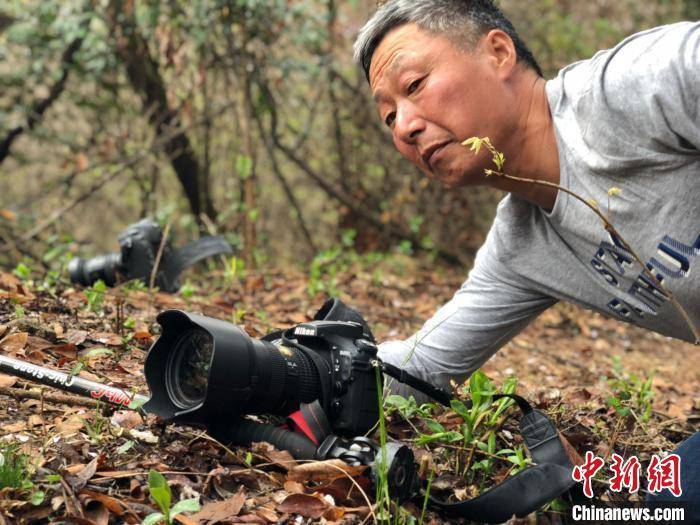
<point>462,21</point>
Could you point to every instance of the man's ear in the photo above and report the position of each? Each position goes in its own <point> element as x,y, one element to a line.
<point>500,51</point>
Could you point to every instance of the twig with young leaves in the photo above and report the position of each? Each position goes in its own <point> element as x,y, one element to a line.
<point>475,144</point>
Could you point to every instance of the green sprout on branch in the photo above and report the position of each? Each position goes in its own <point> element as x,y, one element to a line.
<point>476,143</point>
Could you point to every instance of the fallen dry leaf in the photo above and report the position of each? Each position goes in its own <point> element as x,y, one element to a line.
<point>185,520</point>
<point>68,350</point>
<point>573,454</point>
<point>346,490</point>
<point>14,343</point>
<point>268,515</point>
<point>324,470</point>
<point>215,511</point>
<point>306,505</point>
<point>280,458</point>
<point>143,337</point>
<point>126,419</point>
<point>107,338</point>
<point>76,336</point>
<point>7,381</point>
<point>37,344</point>
<point>80,479</point>
<point>294,487</point>
<point>96,512</point>
<point>69,426</point>
<point>248,518</point>
<point>13,427</point>
<point>35,420</point>
<point>112,504</point>
<point>334,513</point>
<point>9,282</point>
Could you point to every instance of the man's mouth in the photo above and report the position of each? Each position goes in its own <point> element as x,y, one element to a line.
<point>430,153</point>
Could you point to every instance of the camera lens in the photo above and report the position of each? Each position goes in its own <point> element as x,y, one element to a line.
<point>88,271</point>
<point>202,368</point>
<point>187,368</point>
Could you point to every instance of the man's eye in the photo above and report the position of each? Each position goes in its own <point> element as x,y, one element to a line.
<point>414,85</point>
<point>389,119</point>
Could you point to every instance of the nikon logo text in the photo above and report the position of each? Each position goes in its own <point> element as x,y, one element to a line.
<point>304,330</point>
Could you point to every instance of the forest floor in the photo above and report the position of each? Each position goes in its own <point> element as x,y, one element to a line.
<point>89,464</point>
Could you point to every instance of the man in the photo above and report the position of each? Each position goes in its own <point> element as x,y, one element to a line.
<point>442,71</point>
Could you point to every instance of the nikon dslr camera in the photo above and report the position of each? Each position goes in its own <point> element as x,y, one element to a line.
<point>139,245</point>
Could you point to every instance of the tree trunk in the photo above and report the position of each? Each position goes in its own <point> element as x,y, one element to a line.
<point>142,71</point>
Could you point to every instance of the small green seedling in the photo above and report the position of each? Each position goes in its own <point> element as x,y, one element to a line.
<point>162,496</point>
<point>97,426</point>
<point>95,295</point>
<point>13,468</point>
<point>630,394</point>
<point>22,271</point>
<point>409,408</point>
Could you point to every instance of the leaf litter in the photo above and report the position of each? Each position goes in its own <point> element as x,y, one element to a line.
<point>90,463</point>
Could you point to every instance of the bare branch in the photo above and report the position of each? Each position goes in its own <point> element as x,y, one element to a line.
<point>41,105</point>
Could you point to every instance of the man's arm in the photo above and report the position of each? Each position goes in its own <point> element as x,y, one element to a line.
<point>485,313</point>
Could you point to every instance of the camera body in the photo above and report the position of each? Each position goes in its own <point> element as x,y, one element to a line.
<point>341,348</point>
<point>204,371</point>
<point>138,249</point>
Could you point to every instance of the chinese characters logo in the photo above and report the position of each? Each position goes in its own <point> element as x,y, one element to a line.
<point>662,473</point>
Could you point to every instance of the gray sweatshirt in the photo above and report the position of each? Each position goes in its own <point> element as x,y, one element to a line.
<point>628,118</point>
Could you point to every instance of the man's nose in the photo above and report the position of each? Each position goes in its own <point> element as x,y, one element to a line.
<point>409,125</point>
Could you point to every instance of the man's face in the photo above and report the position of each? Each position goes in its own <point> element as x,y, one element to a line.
<point>433,96</point>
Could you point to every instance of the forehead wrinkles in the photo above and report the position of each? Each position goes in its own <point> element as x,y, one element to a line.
<point>389,62</point>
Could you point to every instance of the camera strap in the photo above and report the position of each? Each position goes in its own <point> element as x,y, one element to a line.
<point>525,492</point>
<point>190,254</point>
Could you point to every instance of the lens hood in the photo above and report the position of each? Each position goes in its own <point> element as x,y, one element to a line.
<point>227,374</point>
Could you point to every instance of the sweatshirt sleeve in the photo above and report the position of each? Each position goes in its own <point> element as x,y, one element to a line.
<point>487,311</point>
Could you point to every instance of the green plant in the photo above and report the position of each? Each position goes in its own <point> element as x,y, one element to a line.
<point>188,289</point>
<point>97,426</point>
<point>323,272</point>
<point>19,311</point>
<point>426,497</point>
<point>126,446</point>
<point>409,408</point>
<point>630,394</point>
<point>22,271</point>
<point>327,264</point>
<point>95,295</point>
<point>135,285</point>
<point>386,512</point>
<point>13,468</point>
<point>234,268</point>
<point>476,439</point>
<point>162,496</point>
<point>56,257</point>
<point>382,497</point>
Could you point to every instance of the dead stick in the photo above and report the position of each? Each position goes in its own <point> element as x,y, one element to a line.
<point>64,399</point>
<point>159,255</point>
